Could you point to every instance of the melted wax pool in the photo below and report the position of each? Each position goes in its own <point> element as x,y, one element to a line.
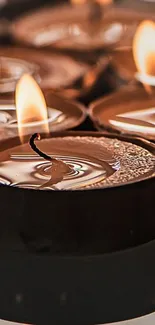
<point>79,163</point>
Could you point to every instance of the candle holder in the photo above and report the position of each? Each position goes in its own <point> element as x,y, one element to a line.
<point>71,27</point>
<point>54,71</point>
<point>54,244</point>
<point>62,115</point>
<point>128,111</point>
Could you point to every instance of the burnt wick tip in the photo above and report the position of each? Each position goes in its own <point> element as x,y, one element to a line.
<point>36,136</point>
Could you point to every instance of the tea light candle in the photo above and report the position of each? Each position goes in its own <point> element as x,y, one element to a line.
<point>61,114</point>
<point>131,110</point>
<point>50,70</point>
<point>65,162</point>
<point>136,62</point>
<point>128,111</point>
<point>70,223</point>
<point>74,27</point>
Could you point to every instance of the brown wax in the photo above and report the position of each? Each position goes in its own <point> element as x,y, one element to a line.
<point>57,168</point>
<point>76,162</point>
<point>81,162</point>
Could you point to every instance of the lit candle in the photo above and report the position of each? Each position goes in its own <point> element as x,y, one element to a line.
<point>136,61</point>
<point>64,115</point>
<point>144,53</point>
<point>131,110</point>
<point>32,116</point>
<point>65,161</point>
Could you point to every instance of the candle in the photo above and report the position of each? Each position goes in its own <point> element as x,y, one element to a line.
<point>79,162</point>
<point>137,61</point>
<point>128,111</point>
<point>71,27</point>
<point>60,113</point>
<point>52,71</point>
<point>144,54</point>
<point>131,110</point>
<point>62,234</point>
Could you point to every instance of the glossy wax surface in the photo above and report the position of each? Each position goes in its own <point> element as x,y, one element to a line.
<point>79,163</point>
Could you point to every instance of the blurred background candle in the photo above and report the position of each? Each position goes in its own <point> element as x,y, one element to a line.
<point>144,53</point>
<point>79,26</point>
<point>131,110</point>
<point>76,28</point>
<point>11,70</point>
<point>137,60</point>
<point>53,71</point>
<point>60,114</point>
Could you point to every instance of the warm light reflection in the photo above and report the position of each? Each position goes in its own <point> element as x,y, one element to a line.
<point>144,48</point>
<point>102,2</point>
<point>78,1</point>
<point>30,105</point>
<point>128,127</point>
<point>141,121</point>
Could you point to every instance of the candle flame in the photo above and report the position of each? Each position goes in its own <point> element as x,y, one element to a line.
<point>30,105</point>
<point>144,50</point>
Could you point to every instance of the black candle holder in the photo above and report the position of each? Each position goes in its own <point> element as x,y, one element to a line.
<point>90,250</point>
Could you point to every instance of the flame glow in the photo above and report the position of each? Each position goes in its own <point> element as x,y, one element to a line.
<point>76,2</point>
<point>144,48</point>
<point>30,105</point>
<point>102,2</point>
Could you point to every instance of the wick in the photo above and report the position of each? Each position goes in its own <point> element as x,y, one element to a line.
<point>58,167</point>
<point>95,12</point>
<point>36,136</point>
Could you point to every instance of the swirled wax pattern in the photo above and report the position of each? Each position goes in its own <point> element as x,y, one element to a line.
<point>94,163</point>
